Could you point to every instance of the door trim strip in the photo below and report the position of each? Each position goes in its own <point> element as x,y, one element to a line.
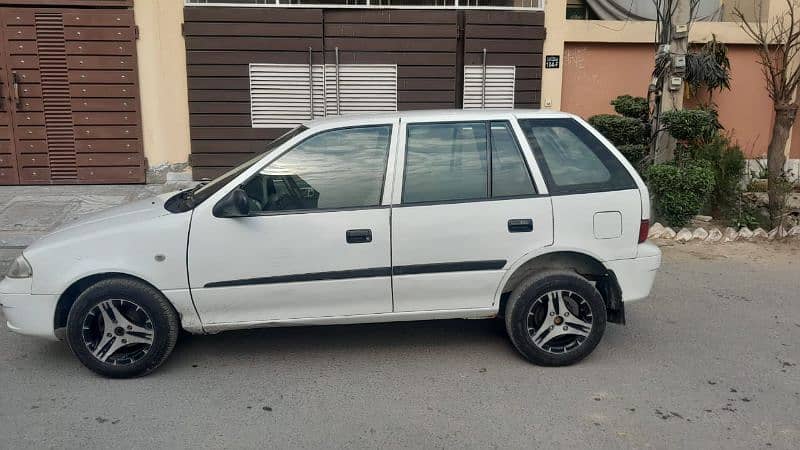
<point>462,266</point>
<point>374,272</point>
<point>315,276</point>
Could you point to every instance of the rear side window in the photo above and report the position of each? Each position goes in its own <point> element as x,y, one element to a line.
<point>446,161</point>
<point>572,160</point>
<point>463,161</point>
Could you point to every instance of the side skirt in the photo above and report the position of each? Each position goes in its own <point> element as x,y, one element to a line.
<point>477,313</point>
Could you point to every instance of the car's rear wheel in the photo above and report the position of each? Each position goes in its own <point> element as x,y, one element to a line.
<point>122,328</point>
<point>555,318</point>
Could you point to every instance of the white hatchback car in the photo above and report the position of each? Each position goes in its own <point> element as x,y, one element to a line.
<point>531,216</point>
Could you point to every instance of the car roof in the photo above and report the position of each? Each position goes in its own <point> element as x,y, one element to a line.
<point>433,115</point>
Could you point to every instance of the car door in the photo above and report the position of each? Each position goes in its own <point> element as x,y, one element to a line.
<point>316,242</point>
<point>465,209</point>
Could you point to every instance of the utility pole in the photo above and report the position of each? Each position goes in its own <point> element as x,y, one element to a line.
<point>672,81</point>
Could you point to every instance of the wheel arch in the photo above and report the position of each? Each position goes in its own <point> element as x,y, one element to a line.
<point>582,263</point>
<point>74,290</point>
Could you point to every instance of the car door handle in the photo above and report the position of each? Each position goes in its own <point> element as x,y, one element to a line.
<point>359,236</point>
<point>520,225</point>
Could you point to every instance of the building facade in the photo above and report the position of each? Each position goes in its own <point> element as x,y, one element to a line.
<point>113,91</point>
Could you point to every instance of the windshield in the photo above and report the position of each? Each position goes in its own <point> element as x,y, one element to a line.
<point>202,192</point>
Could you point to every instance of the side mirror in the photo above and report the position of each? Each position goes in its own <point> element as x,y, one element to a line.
<point>235,204</point>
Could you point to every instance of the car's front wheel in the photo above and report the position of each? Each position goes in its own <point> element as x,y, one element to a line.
<point>122,328</point>
<point>555,318</point>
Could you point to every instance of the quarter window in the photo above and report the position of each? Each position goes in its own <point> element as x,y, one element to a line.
<point>510,174</point>
<point>334,169</point>
<point>463,161</point>
<point>572,159</point>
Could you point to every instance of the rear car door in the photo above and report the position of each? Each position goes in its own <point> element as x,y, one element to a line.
<point>316,243</point>
<point>465,208</point>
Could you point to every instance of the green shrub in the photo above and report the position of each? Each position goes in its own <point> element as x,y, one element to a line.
<point>620,130</point>
<point>634,153</point>
<point>691,124</point>
<point>680,192</point>
<point>635,107</point>
<point>728,163</point>
<point>747,213</point>
<point>757,185</point>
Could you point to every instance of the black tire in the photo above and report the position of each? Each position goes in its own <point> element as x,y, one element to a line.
<point>527,296</point>
<point>161,319</point>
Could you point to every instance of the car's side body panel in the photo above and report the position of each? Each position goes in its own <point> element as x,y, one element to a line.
<point>467,313</point>
<point>292,264</point>
<point>289,266</point>
<point>601,222</point>
<point>644,192</point>
<point>578,222</point>
<point>447,238</point>
<point>474,234</point>
<point>141,239</point>
<point>181,299</point>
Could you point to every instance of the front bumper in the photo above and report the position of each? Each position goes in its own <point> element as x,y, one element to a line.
<point>27,313</point>
<point>636,275</point>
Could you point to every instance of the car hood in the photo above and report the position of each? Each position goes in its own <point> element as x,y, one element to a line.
<point>141,239</point>
<point>139,210</point>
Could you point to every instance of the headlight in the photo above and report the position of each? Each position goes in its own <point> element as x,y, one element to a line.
<point>20,268</point>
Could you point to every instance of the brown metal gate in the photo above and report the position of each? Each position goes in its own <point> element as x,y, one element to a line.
<point>429,47</point>
<point>69,111</point>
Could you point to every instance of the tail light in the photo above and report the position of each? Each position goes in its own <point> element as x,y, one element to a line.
<point>644,230</point>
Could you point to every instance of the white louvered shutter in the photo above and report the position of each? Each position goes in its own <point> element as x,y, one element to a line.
<point>280,96</point>
<point>363,88</point>
<point>499,93</point>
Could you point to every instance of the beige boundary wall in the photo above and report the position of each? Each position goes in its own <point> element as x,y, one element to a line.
<point>162,78</point>
<point>603,59</point>
<point>164,95</point>
<point>590,81</point>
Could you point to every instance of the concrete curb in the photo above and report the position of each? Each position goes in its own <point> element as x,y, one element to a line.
<point>714,235</point>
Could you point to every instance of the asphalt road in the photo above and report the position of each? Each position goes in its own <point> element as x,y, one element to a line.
<point>709,361</point>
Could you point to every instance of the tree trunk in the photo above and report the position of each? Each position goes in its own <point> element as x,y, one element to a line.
<point>776,158</point>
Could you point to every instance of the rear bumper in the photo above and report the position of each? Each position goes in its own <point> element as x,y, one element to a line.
<point>26,313</point>
<point>635,276</point>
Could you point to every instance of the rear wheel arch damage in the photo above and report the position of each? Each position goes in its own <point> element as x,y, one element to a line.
<point>71,294</point>
<point>584,265</point>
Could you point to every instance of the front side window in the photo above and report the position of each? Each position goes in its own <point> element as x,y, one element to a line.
<point>463,161</point>
<point>342,168</point>
<point>572,159</point>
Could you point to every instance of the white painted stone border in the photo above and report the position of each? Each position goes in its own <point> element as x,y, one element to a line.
<point>715,235</point>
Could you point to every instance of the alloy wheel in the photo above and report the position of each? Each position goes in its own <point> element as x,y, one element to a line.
<point>559,321</point>
<point>118,331</point>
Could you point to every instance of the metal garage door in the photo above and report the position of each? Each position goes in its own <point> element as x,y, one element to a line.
<point>429,48</point>
<point>69,112</point>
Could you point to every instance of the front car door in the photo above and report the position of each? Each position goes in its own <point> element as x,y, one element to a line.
<point>316,243</point>
<point>466,207</point>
